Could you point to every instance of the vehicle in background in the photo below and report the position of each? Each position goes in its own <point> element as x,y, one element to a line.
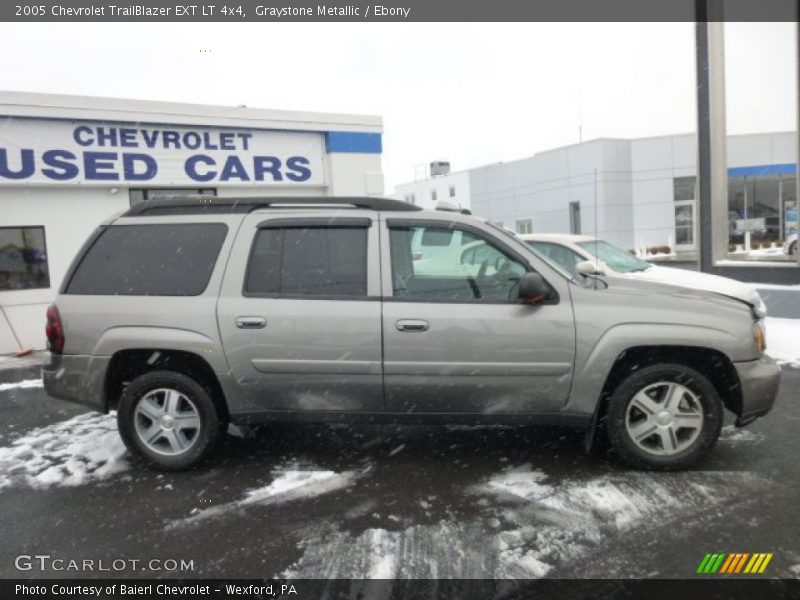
<point>790,247</point>
<point>569,250</point>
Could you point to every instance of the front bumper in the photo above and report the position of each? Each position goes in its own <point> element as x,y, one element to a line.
<point>77,378</point>
<point>759,381</point>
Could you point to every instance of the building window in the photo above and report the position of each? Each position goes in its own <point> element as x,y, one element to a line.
<point>140,195</point>
<point>683,188</point>
<point>452,191</point>
<point>524,226</point>
<point>410,198</point>
<point>684,223</point>
<point>684,193</point>
<point>762,208</point>
<point>575,217</point>
<point>433,195</point>
<point>23,259</point>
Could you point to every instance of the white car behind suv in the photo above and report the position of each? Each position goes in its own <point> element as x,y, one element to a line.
<point>569,250</point>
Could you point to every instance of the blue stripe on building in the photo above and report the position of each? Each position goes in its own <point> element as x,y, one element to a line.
<point>783,169</point>
<point>353,141</point>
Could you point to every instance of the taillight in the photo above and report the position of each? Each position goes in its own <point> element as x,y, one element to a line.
<point>54,330</point>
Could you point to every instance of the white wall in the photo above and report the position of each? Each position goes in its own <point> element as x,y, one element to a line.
<point>635,200</point>
<point>69,214</point>
<point>541,187</point>
<point>655,162</point>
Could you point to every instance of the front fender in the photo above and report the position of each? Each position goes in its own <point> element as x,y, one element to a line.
<point>594,362</point>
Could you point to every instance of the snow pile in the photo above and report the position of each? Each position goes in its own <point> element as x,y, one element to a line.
<point>522,483</point>
<point>526,527</point>
<point>544,529</point>
<point>288,484</point>
<point>73,452</point>
<point>22,385</point>
<point>783,340</point>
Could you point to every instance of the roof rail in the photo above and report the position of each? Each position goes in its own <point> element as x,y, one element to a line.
<point>199,205</point>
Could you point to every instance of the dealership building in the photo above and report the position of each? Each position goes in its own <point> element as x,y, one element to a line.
<point>68,163</point>
<point>636,193</point>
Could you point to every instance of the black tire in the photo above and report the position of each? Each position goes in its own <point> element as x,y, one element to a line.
<point>204,439</point>
<point>793,249</point>
<point>620,403</point>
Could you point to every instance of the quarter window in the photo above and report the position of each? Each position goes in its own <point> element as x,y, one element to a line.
<point>142,260</point>
<point>467,268</point>
<point>23,259</point>
<point>310,261</point>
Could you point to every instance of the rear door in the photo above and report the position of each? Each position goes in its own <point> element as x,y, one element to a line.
<point>456,338</point>
<point>299,311</point>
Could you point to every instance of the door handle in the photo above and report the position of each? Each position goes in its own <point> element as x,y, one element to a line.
<point>251,322</point>
<point>410,325</point>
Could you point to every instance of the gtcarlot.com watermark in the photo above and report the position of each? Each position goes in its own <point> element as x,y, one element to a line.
<point>47,562</point>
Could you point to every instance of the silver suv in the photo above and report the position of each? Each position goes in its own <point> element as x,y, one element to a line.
<point>186,315</point>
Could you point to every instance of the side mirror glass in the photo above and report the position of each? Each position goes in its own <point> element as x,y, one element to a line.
<point>590,267</point>
<point>533,289</point>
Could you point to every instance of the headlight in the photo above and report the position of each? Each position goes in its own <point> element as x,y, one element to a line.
<point>760,336</point>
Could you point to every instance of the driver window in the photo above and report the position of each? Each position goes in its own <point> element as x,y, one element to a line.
<point>459,266</point>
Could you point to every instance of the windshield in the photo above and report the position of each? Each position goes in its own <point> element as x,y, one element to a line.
<point>616,258</point>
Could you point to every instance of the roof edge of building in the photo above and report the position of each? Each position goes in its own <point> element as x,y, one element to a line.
<point>98,108</point>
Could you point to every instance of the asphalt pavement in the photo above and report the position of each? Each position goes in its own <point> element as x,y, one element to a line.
<point>383,501</point>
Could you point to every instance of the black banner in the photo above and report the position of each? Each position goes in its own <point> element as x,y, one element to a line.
<point>733,588</point>
<point>393,10</point>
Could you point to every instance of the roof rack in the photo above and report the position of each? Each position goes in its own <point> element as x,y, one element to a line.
<point>199,205</point>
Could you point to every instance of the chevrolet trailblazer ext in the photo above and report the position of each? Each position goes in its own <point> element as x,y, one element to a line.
<point>185,315</point>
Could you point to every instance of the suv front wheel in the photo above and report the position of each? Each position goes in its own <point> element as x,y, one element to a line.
<point>664,416</point>
<point>168,419</point>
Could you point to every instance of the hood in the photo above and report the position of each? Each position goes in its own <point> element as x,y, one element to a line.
<point>701,281</point>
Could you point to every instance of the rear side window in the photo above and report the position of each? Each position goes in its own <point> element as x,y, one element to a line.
<point>150,260</point>
<point>313,261</point>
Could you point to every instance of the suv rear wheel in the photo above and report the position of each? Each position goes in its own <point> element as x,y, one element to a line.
<point>664,416</point>
<point>168,419</point>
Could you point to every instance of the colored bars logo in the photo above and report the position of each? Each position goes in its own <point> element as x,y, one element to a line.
<point>735,562</point>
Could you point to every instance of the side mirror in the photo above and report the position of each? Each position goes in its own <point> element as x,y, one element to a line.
<point>590,267</point>
<point>533,289</point>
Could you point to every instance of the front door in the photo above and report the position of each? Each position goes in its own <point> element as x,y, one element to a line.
<point>456,339</point>
<point>299,312</point>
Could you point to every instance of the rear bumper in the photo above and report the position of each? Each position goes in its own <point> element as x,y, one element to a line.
<point>77,378</point>
<point>759,380</point>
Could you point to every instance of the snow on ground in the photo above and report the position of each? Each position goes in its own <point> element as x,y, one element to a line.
<point>73,452</point>
<point>21,385</point>
<point>735,435</point>
<point>767,252</point>
<point>527,526</point>
<point>288,484</point>
<point>783,340</point>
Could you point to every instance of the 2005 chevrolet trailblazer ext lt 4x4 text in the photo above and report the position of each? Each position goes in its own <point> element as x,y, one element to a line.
<point>187,314</point>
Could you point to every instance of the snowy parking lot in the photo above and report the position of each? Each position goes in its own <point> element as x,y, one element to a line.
<point>379,502</point>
